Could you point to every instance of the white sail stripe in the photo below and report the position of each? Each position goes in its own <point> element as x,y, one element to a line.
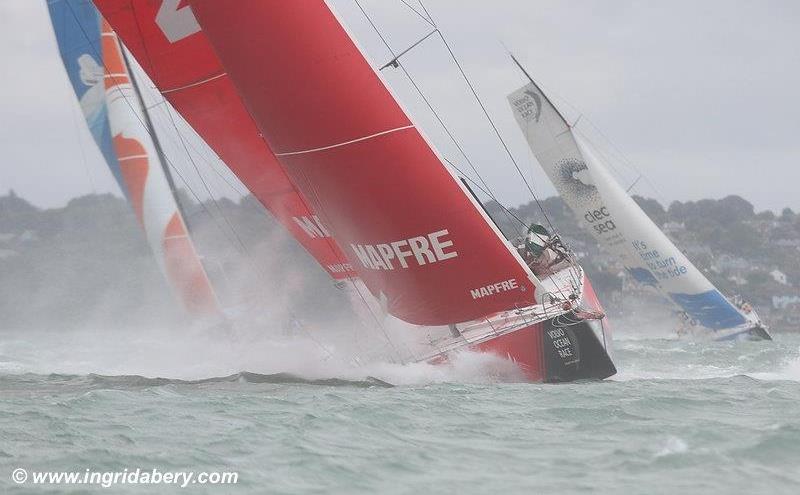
<point>131,157</point>
<point>115,75</point>
<point>345,143</point>
<point>198,83</point>
<point>184,236</point>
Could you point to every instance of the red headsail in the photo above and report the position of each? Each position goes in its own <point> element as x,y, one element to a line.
<point>166,40</point>
<point>418,240</point>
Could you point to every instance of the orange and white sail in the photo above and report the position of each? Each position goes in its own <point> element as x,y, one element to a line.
<point>113,109</point>
<point>166,40</point>
<point>149,189</point>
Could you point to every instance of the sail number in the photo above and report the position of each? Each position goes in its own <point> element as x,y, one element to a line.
<point>600,220</point>
<point>176,22</point>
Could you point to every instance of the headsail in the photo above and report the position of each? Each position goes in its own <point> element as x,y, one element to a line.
<point>101,80</point>
<point>418,240</point>
<point>166,40</point>
<point>613,217</point>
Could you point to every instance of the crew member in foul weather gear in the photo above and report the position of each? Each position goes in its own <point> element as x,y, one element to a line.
<point>541,251</point>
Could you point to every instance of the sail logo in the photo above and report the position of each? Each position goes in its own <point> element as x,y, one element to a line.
<point>340,268</point>
<point>422,250</point>
<point>529,106</point>
<point>600,220</point>
<point>575,180</point>
<point>495,288</point>
<point>311,226</point>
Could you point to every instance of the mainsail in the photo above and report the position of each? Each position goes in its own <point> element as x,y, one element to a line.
<point>614,218</point>
<point>114,112</point>
<point>166,40</point>
<point>416,238</point>
<point>282,94</point>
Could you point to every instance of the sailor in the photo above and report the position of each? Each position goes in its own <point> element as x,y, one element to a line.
<point>540,251</point>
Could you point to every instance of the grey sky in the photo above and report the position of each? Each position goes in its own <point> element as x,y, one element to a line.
<point>701,96</point>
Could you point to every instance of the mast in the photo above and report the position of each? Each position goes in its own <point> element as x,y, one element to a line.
<point>542,93</point>
<point>148,124</point>
<point>103,82</point>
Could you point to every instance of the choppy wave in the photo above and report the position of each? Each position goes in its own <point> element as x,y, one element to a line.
<point>681,417</point>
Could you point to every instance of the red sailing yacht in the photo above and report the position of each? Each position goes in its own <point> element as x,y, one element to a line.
<point>283,94</point>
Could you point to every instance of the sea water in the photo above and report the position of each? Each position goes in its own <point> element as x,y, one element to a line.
<point>680,417</point>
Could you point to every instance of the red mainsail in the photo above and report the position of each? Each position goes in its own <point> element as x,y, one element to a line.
<point>166,40</point>
<point>418,240</point>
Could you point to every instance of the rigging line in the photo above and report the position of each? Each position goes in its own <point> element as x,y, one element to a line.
<point>75,120</point>
<point>149,125</point>
<point>321,212</point>
<point>164,160</point>
<point>620,155</point>
<point>486,189</point>
<point>430,17</point>
<point>257,266</point>
<point>426,19</point>
<point>172,165</point>
<point>499,136</point>
<point>395,62</point>
<point>494,127</point>
<point>209,162</point>
<point>202,178</point>
<point>150,107</point>
<point>574,274</point>
<point>615,150</point>
<point>125,98</point>
<point>628,190</point>
<point>488,193</point>
<point>330,243</point>
<point>573,271</point>
<point>489,118</point>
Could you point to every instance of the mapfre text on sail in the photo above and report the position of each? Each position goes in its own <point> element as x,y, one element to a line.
<point>420,250</point>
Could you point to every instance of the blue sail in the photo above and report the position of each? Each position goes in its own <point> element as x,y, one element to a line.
<point>710,309</point>
<point>77,27</point>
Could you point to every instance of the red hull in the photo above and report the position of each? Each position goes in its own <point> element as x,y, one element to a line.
<point>523,347</point>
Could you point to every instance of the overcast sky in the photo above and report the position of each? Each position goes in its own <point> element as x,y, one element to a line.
<point>700,96</point>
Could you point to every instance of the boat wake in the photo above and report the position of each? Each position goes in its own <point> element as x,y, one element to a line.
<point>662,359</point>
<point>112,359</point>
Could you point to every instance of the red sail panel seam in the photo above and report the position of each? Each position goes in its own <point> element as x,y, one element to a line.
<point>192,85</point>
<point>345,143</point>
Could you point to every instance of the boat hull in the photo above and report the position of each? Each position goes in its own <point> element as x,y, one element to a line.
<point>753,333</point>
<point>554,351</point>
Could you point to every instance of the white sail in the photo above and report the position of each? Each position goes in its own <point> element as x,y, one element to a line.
<point>614,218</point>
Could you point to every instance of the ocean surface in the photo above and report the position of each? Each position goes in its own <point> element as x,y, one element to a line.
<point>680,417</point>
